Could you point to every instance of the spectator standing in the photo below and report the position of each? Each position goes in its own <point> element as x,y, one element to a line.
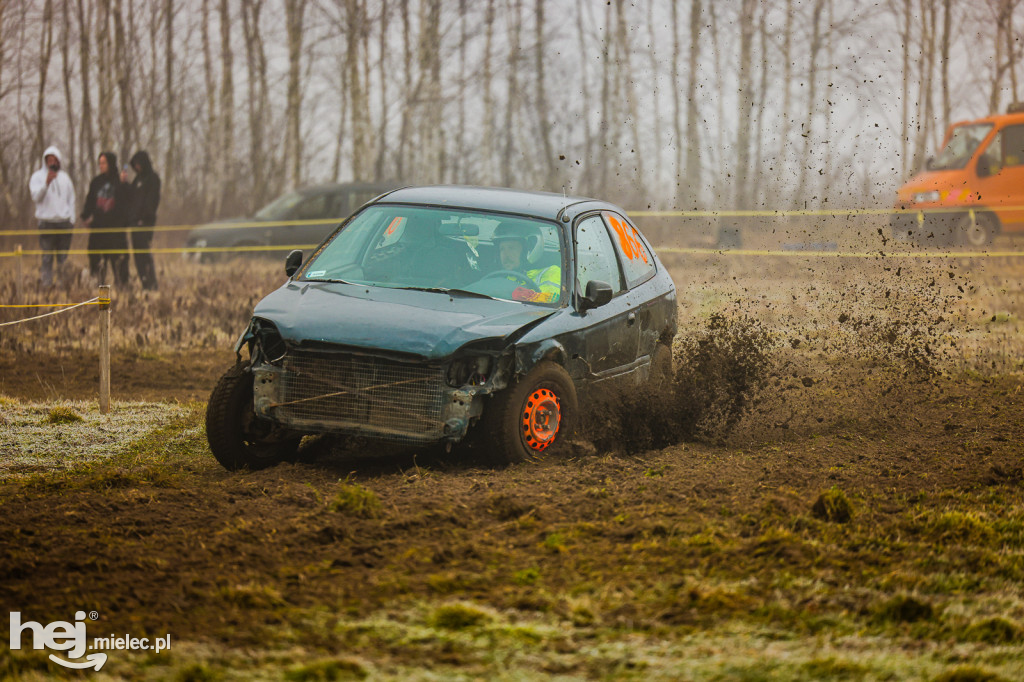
<point>106,206</point>
<point>145,200</point>
<point>53,193</point>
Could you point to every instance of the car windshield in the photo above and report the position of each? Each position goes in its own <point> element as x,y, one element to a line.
<point>961,147</point>
<point>448,250</point>
<point>279,208</point>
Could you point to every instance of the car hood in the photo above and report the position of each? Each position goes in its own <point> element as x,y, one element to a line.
<point>926,181</point>
<point>428,324</point>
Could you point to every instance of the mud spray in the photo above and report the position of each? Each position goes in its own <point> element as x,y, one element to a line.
<point>778,352</point>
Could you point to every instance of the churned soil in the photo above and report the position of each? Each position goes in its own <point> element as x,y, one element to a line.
<point>693,535</point>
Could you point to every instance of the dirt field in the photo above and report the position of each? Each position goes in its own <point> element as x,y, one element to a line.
<point>835,492</point>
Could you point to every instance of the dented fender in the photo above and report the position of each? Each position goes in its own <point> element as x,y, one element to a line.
<point>527,356</point>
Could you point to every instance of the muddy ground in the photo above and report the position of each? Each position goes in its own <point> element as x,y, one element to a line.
<point>860,516</point>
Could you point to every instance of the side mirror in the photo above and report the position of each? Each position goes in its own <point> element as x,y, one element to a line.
<point>929,162</point>
<point>984,167</point>
<point>597,294</point>
<point>293,262</point>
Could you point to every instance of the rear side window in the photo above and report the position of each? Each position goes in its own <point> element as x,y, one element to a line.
<point>339,206</point>
<point>312,208</point>
<point>637,260</point>
<point>595,255</point>
<point>1013,145</point>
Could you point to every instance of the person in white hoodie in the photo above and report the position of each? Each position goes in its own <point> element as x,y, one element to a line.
<point>54,197</point>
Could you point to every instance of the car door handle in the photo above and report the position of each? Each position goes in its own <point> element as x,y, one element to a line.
<point>631,319</point>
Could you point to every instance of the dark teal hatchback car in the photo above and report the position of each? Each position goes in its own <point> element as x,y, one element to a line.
<point>444,315</point>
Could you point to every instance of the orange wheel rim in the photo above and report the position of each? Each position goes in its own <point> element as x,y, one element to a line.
<point>542,414</point>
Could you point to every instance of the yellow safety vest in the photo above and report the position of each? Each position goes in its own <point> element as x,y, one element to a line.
<point>549,280</point>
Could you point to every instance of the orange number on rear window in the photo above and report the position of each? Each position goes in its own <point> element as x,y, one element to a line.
<point>628,240</point>
<point>393,226</point>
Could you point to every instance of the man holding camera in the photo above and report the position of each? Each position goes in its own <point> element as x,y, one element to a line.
<point>54,196</point>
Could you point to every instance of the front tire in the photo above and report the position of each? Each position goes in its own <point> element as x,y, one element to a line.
<point>238,438</point>
<point>976,233</point>
<point>535,417</point>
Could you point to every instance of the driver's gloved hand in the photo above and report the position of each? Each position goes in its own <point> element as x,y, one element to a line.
<point>524,294</point>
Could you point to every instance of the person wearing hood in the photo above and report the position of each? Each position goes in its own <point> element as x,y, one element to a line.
<point>53,193</point>
<point>107,206</point>
<point>145,200</point>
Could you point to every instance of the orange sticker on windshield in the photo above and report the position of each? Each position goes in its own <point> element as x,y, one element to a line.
<point>394,226</point>
<point>628,239</point>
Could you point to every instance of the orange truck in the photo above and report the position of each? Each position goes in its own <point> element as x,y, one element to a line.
<point>972,191</point>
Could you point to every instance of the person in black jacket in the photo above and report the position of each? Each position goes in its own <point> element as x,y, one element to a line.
<point>145,200</point>
<point>106,207</point>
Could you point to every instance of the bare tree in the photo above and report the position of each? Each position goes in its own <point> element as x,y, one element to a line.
<point>745,88</point>
<point>257,96</point>
<point>403,166</point>
<point>226,119</point>
<point>170,101</point>
<point>104,74</point>
<point>488,95</point>
<point>122,77</point>
<point>357,90</point>
<point>512,93</point>
<point>812,99</point>
<point>541,99</point>
<point>295,11</point>
<point>382,129</point>
<point>692,171</point>
<point>46,42</point>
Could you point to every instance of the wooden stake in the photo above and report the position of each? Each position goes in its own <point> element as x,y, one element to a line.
<point>18,286</point>
<point>104,306</point>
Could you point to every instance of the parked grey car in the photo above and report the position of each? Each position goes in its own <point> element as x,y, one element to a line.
<point>296,219</point>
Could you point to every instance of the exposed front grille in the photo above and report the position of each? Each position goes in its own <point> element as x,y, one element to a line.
<point>338,391</point>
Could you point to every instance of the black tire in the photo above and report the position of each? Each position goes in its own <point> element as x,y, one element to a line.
<point>503,435</point>
<point>977,233</point>
<point>238,438</point>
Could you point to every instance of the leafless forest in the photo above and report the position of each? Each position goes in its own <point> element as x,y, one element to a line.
<point>730,104</point>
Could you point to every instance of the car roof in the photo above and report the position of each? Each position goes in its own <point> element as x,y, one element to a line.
<point>333,187</point>
<point>547,205</point>
<point>1006,119</point>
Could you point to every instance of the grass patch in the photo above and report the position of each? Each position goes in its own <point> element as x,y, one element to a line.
<point>459,616</point>
<point>834,669</point>
<point>62,415</point>
<point>967,528</point>
<point>252,596</point>
<point>198,672</point>
<point>969,673</point>
<point>527,576</point>
<point>833,505</point>
<point>327,670</point>
<point>995,631</point>
<point>555,542</point>
<point>903,608</point>
<point>355,500</point>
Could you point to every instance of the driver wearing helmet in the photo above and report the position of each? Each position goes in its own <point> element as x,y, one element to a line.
<point>519,248</point>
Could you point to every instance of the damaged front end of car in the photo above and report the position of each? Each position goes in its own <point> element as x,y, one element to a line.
<point>320,387</point>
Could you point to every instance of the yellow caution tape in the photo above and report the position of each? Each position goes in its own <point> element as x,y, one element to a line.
<point>179,249</point>
<point>172,228</point>
<point>91,301</point>
<point>764,213</point>
<point>789,253</point>
<point>843,254</point>
<point>54,305</point>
